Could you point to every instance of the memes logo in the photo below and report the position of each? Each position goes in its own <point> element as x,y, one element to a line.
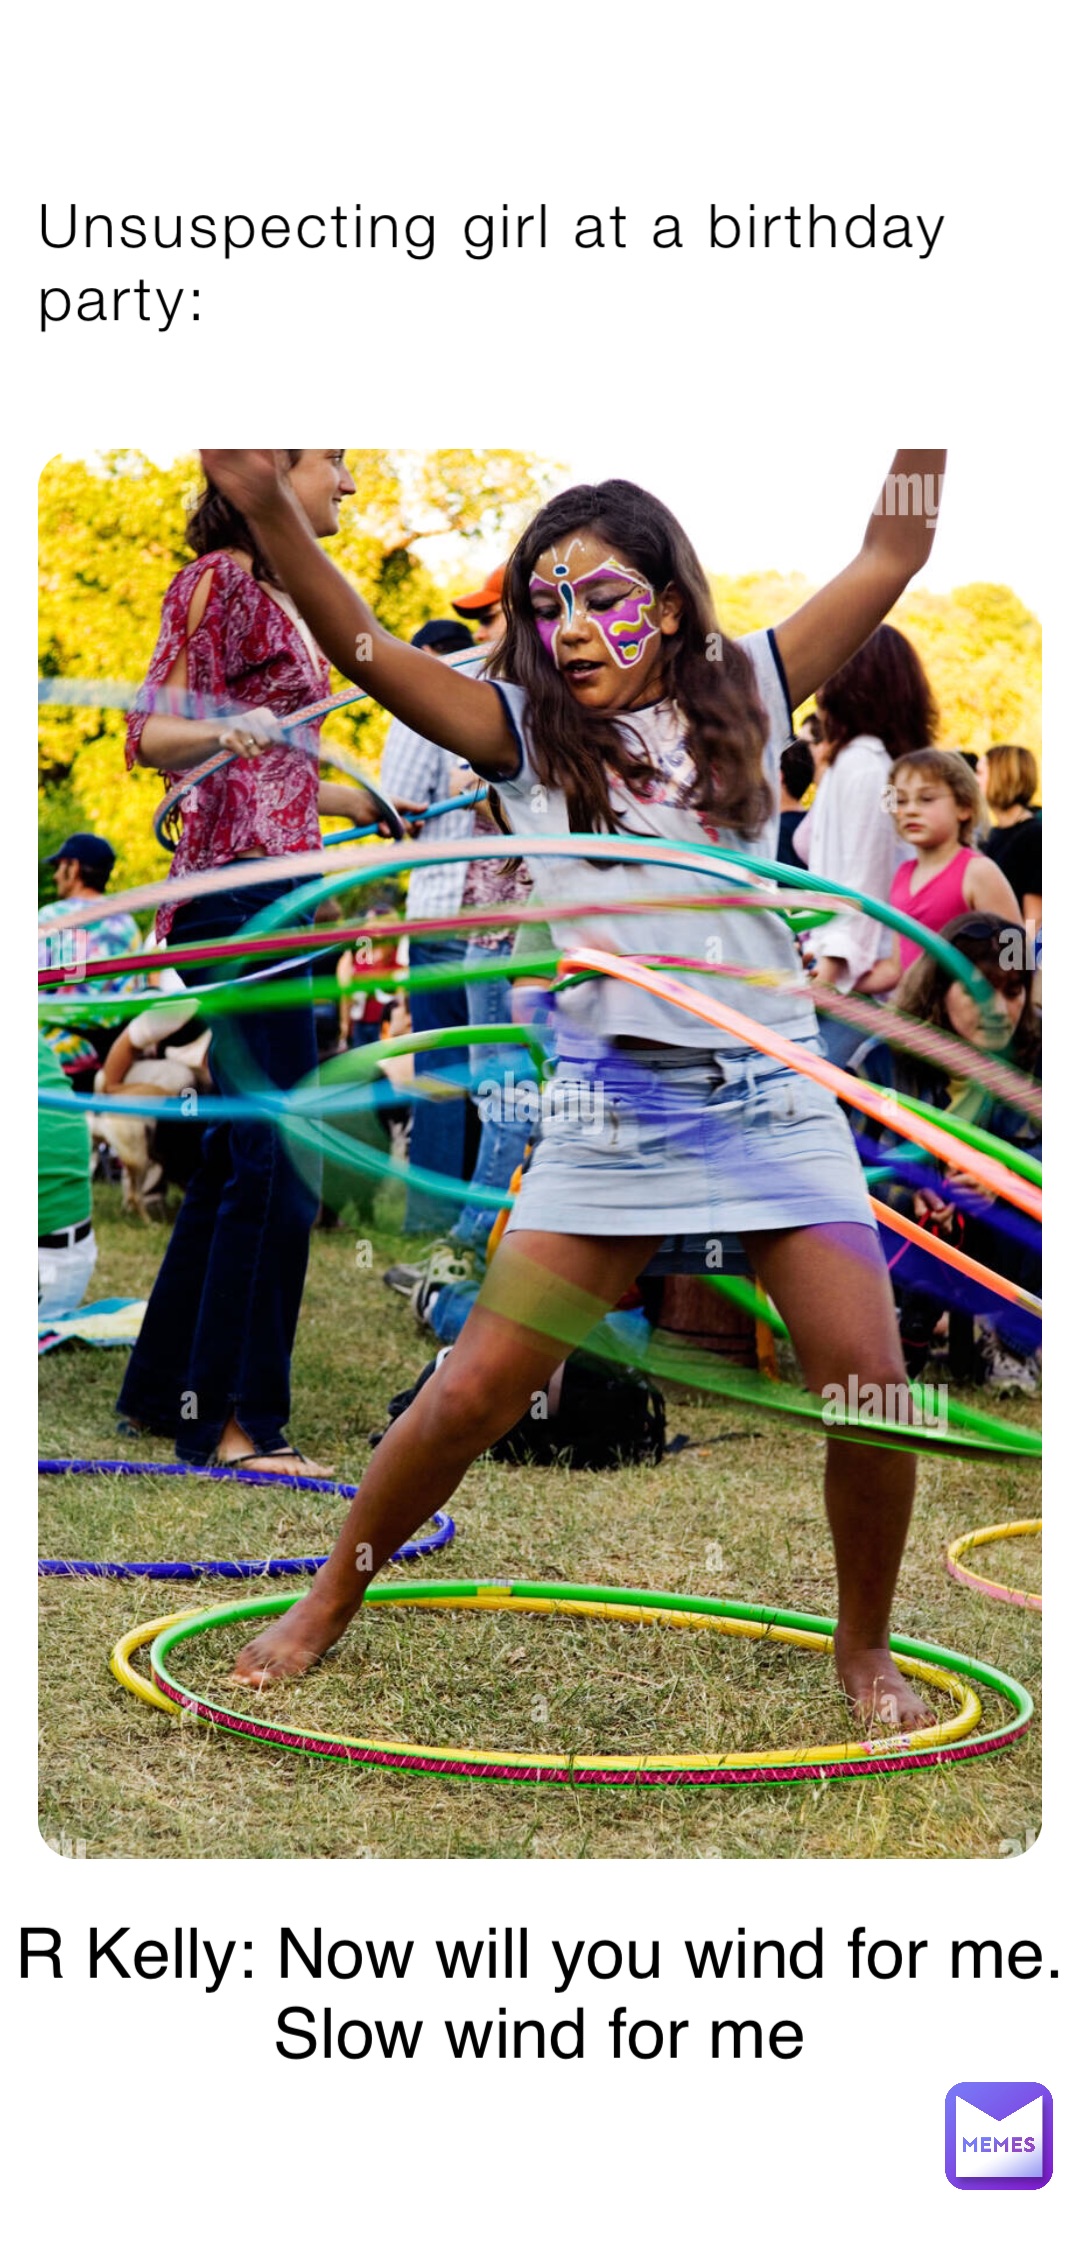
<point>999,2136</point>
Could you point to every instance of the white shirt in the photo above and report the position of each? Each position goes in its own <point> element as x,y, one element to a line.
<point>420,771</point>
<point>849,836</point>
<point>604,1009</point>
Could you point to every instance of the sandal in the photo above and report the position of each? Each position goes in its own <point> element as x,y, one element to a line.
<point>253,1461</point>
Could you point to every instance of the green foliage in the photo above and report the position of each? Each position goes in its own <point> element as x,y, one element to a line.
<point>981,647</point>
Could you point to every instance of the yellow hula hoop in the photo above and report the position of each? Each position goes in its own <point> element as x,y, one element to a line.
<point>120,1661</point>
<point>973,1582</point>
<point>883,1752</point>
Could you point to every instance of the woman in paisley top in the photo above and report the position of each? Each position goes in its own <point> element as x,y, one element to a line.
<point>211,1365</point>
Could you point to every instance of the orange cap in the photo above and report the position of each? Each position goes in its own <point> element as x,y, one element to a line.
<point>489,596</point>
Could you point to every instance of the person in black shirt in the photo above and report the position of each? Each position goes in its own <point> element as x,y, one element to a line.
<point>1009,778</point>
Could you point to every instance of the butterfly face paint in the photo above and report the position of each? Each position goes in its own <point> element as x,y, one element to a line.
<point>613,596</point>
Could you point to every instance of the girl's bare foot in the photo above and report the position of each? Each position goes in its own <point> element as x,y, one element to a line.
<point>879,1697</point>
<point>292,1644</point>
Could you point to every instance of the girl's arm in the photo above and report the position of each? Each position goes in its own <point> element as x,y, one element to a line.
<point>339,801</point>
<point>834,623</point>
<point>885,973</point>
<point>462,714</point>
<point>986,889</point>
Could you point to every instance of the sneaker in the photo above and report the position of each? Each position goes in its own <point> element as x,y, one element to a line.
<point>1006,1375</point>
<point>422,1298</point>
<point>444,1261</point>
<point>403,1277</point>
<point>447,1261</point>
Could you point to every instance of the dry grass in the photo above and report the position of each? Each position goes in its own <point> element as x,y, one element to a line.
<point>120,1780</point>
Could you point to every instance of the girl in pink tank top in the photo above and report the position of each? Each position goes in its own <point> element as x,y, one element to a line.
<point>936,806</point>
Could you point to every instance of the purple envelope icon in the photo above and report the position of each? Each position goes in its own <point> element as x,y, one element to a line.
<point>999,2136</point>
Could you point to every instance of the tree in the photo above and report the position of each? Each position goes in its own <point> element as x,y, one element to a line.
<point>981,647</point>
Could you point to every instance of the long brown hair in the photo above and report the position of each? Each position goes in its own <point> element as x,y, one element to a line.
<point>985,938</point>
<point>709,677</point>
<point>214,524</point>
<point>883,691</point>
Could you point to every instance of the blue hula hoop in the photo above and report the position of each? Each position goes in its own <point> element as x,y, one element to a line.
<point>186,1571</point>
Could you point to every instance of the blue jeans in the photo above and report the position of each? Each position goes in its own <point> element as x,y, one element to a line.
<point>217,1337</point>
<point>840,1039</point>
<point>503,1136</point>
<point>438,1130</point>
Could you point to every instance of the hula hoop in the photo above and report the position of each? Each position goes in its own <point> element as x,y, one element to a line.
<point>309,867</point>
<point>962,1544</point>
<point>946,1742</point>
<point>242,1571</point>
<point>465,802</point>
<point>123,1669</point>
<point>311,713</point>
<point>189,1571</point>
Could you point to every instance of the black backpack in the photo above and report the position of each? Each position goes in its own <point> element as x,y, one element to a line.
<point>592,1415</point>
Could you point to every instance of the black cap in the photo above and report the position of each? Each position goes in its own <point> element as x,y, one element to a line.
<point>89,849</point>
<point>445,634</point>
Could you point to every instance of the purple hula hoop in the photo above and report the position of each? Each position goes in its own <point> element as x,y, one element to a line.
<point>187,1571</point>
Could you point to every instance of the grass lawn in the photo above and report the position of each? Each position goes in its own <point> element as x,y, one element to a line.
<point>743,1519</point>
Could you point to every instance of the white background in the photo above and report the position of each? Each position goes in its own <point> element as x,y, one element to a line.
<point>763,395</point>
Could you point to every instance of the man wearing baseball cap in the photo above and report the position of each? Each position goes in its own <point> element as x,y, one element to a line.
<point>83,865</point>
<point>483,609</point>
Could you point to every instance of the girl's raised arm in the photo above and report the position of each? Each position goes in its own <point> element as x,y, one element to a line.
<point>462,714</point>
<point>834,623</point>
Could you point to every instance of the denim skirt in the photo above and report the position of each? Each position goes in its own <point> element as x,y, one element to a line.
<point>686,1141</point>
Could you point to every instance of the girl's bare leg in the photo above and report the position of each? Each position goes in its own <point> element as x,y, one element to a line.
<point>543,1294</point>
<point>831,1287</point>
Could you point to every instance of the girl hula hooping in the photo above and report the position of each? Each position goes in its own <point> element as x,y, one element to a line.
<point>615,703</point>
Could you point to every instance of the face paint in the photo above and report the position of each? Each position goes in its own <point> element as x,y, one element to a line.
<point>625,627</point>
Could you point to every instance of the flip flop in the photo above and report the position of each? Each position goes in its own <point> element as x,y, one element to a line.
<point>248,1459</point>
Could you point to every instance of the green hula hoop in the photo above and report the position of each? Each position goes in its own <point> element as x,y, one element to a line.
<point>871,1758</point>
<point>972,1134</point>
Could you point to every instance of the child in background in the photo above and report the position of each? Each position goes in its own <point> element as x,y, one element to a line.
<point>950,1201</point>
<point>362,1014</point>
<point>937,808</point>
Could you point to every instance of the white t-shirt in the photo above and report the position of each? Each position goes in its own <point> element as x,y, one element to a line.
<point>603,1008</point>
<point>852,839</point>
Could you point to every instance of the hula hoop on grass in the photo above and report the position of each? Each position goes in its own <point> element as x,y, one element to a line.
<point>975,1537</point>
<point>186,1571</point>
<point>946,1742</point>
<point>123,1669</point>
